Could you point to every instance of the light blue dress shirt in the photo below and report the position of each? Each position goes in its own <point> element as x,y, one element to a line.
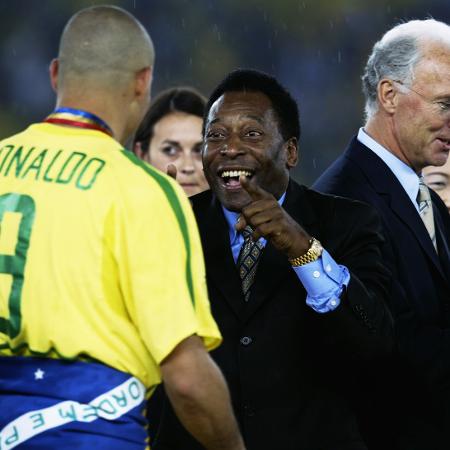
<point>405,175</point>
<point>324,279</point>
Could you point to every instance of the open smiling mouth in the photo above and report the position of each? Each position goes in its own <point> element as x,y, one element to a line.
<point>446,142</point>
<point>231,177</point>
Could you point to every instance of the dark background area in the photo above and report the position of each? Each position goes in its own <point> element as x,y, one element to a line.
<point>316,48</point>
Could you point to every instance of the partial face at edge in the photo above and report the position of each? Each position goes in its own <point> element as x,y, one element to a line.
<point>438,179</point>
<point>242,136</point>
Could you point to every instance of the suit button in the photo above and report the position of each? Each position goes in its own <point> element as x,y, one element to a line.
<point>246,340</point>
<point>249,411</point>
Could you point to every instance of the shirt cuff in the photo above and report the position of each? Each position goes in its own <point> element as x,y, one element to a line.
<point>324,281</point>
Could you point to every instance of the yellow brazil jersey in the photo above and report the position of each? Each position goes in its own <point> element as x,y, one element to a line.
<point>99,254</point>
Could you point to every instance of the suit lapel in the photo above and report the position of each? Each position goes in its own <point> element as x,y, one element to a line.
<point>274,268</point>
<point>442,242</point>
<point>220,267</point>
<point>385,183</point>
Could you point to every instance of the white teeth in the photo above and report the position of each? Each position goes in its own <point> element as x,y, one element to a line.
<point>235,173</point>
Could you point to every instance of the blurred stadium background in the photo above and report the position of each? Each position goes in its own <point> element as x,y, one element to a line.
<point>316,48</point>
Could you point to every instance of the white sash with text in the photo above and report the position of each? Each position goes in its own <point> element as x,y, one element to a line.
<point>110,405</point>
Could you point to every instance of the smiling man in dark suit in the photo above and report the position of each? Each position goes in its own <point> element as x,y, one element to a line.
<point>298,296</point>
<point>407,88</point>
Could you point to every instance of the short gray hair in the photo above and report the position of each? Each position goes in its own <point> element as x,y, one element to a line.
<point>396,54</point>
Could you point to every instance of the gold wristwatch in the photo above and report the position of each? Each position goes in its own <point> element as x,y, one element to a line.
<point>313,254</point>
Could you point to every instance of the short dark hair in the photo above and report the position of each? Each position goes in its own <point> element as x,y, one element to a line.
<point>284,105</point>
<point>177,99</point>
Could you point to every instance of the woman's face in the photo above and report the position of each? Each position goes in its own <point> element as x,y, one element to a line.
<point>177,139</point>
<point>438,179</point>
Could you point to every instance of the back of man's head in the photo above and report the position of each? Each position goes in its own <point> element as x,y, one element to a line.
<point>248,80</point>
<point>103,46</point>
<point>397,53</point>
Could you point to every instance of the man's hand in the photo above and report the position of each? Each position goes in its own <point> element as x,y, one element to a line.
<point>171,170</point>
<point>269,220</point>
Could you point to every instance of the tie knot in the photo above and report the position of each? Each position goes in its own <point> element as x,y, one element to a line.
<point>423,196</point>
<point>247,233</point>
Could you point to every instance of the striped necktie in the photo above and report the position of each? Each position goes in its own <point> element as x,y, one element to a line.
<point>248,260</point>
<point>426,210</point>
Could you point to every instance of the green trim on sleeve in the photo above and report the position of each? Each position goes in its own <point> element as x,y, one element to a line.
<point>175,204</point>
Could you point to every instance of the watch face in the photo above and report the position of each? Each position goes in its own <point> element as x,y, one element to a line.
<point>316,248</point>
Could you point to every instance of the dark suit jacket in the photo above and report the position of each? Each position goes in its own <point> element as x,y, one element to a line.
<point>290,369</point>
<point>413,412</point>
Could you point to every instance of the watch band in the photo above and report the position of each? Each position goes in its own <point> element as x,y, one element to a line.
<point>313,254</point>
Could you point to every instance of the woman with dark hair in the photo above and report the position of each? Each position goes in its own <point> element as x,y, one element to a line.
<point>171,133</point>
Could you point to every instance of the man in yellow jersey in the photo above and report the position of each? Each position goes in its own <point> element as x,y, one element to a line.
<point>102,283</point>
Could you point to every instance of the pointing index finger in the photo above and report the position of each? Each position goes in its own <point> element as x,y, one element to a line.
<point>255,192</point>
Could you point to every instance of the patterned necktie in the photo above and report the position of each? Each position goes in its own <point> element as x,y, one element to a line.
<point>426,209</point>
<point>248,260</point>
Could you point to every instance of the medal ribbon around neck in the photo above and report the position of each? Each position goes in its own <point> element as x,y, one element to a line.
<point>78,118</point>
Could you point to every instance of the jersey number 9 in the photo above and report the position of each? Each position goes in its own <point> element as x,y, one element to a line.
<point>13,260</point>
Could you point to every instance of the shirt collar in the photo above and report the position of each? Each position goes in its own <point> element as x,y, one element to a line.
<point>405,175</point>
<point>232,218</point>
